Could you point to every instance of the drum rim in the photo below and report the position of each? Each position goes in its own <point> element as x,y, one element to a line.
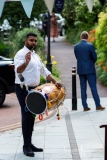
<point>42,96</point>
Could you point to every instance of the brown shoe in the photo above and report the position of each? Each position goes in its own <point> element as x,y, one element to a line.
<point>100,108</point>
<point>87,109</point>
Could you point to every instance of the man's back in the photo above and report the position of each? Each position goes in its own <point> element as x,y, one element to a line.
<point>86,57</point>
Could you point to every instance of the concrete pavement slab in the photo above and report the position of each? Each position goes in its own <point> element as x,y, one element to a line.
<point>76,136</point>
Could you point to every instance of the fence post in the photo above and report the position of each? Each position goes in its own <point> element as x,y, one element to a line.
<point>74,91</point>
<point>105,152</point>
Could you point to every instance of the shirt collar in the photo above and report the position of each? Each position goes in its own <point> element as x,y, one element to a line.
<point>27,50</point>
<point>84,40</point>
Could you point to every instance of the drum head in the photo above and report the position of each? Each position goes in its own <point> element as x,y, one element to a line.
<point>36,102</point>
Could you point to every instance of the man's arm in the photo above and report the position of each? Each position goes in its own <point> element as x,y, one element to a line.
<point>75,52</point>
<point>22,67</point>
<point>94,54</point>
<point>51,78</point>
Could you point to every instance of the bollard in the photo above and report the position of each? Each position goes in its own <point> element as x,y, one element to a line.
<point>74,91</point>
<point>105,152</point>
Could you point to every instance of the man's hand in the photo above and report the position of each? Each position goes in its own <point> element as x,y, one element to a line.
<point>28,57</point>
<point>58,85</point>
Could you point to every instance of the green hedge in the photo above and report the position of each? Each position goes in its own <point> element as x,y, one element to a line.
<point>19,38</point>
<point>2,49</point>
<point>101,45</point>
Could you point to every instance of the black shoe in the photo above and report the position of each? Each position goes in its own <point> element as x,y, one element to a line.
<point>35,149</point>
<point>28,152</point>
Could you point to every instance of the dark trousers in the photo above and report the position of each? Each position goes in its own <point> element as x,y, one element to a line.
<point>44,33</point>
<point>27,117</point>
<point>91,79</point>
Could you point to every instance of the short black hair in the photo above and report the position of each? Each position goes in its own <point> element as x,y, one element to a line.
<point>31,34</point>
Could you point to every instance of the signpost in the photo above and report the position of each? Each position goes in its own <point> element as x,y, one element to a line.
<point>49,64</point>
<point>59,6</point>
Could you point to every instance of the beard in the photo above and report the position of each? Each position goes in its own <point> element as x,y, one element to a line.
<point>31,47</point>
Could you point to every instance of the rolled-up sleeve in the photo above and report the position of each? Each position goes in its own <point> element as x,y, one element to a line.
<point>18,60</point>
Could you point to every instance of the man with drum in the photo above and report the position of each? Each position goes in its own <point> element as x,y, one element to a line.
<point>28,68</point>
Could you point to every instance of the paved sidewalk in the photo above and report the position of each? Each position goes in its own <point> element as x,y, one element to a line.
<point>76,136</point>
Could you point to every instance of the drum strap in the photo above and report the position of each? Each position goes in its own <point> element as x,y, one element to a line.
<point>22,81</point>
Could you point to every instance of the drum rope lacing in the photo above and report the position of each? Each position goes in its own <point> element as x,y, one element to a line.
<point>56,99</point>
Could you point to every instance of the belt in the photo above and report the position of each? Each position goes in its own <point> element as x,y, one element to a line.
<point>29,87</point>
<point>32,87</point>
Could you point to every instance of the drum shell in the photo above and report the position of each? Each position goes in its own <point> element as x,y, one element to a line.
<point>55,95</point>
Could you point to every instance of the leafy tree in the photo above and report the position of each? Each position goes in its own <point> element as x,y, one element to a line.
<point>79,18</point>
<point>77,14</point>
<point>19,39</point>
<point>85,19</point>
<point>69,12</point>
<point>101,47</point>
<point>14,12</point>
<point>101,36</point>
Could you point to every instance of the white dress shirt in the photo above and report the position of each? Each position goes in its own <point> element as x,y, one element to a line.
<point>34,69</point>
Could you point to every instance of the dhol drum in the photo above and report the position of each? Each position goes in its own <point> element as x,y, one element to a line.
<point>46,96</point>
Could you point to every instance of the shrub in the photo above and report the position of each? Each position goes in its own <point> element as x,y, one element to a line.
<point>55,73</point>
<point>2,49</point>
<point>19,38</point>
<point>101,34</point>
<point>102,72</point>
<point>73,35</point>
<point>92,36</point>
<point>101,41</point>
